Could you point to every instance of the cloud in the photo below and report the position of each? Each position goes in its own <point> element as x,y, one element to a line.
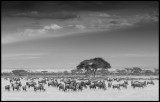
<point>52,26</point>
<point>80,26</point>
<point>7,39</point>
<point>59,15</point>
<point>143,18</point>
<point>34,25</point>
<point>133,55</point>
<point>101,20</point>
<point>18,56</point>
<point>44,6</point>
<point>104,15</point>
<point>32,13</point>
<point>83,22</point>
<point>141,55</point>
<point>29,34</point>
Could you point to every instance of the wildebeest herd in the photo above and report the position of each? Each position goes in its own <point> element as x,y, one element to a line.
<point>73,84</point>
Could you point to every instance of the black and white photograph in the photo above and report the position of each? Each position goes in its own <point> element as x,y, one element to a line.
<point>80,50</point>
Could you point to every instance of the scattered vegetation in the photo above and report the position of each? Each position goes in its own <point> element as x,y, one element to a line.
<point>96,66</point>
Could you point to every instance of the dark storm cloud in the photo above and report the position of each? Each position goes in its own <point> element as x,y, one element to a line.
<point>57,5</point>
<point>62,15</point>
<point>65,9</point>
<point>74,5</point>
<point>34,25</point>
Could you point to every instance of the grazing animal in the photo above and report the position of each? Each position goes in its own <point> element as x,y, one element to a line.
<point>42,81</point>
<point>24,88</point>
<point>5,78</point>
<point>116,86</point>
<point>30,84</point>
<point>126,82</point>
<point>7,87</point>
<point>15,86</point>
<point>109,80</point>
<point>150,82</point>
<point>101,85</point>
<point>61,87</point>
<point>92,86</point>
<point>123,85</point>
<point>137,84</point>
<point>39,87</point>
<point>88,82</point>
<point>51,83</point>
<point>109,85</point>
<point>83,84</point>
<point>70,87</point>
<point>79,86</point>
<point>19,83</point>
<point>10,81</point>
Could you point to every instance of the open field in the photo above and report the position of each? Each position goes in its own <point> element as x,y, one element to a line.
<point>148,93</point>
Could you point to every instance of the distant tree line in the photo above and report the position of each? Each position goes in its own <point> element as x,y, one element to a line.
<point>101,72</point>
<point>137,71</point>
<point>95,66</point>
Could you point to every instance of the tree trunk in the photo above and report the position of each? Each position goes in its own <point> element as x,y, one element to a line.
<point>95,72</point>
<point>87,73</point>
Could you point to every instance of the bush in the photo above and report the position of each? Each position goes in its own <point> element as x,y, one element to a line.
<point>19,72</point>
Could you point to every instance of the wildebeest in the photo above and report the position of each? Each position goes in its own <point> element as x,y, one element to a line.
<point>88,82</point>
<point>70,87</point>
<point>39,87</point>
<point>10,80</point>
<point>109,80</point>
<point>7,87</point>
<point>61,87</point>
<point>16,86</point>
<point>123,85</point>
<point>150,82</point>
<point>138,84</point>
<point>19,83</point>
<point>69,84</point>
<point>92,86</point>
<point>116,86</point>
<point>109,85</point>
<point>24,88</point>
<point>53,83</point>
<point>83,84</point>
<point>126,82</point>
<point>42,81</point>
<point>79,86</point>
<point>101,85</point>
<point>31,84</point>
<point>116,79</point>
<point>6,78</point>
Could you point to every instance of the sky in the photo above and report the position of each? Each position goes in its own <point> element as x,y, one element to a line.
<point>61,34</point>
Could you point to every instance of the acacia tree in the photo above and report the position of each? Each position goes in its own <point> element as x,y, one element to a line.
<point>128,71</point>
<point>136,70</point>
<point>92,65</point>
<point>73,72</point>
<point>65,72</point>
<point>148,72</point>
<point>44,72</point>
<point>19,72</point>
<point>156,71</point>
<point>76,71</point>
<point>103,71</point>
<point>121,72</point>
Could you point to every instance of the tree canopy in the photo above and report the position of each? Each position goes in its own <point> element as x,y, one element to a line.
<point>137,70</point>
<point>92,65</point>
<point>19,72</point>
